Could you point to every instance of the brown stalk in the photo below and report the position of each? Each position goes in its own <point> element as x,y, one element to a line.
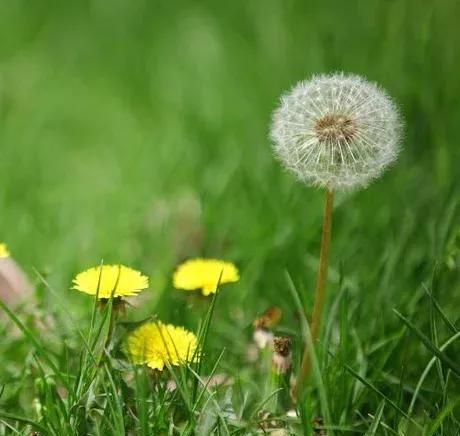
<point>321,280</point>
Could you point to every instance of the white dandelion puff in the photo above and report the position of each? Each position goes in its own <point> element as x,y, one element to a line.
<point>336,131</point>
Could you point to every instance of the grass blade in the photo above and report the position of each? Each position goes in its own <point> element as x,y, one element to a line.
<point>429,345</point>
<point>441,313</point>
<point>34,341</point>
<point>23,420</point>
<point>381,394</point>
<point>427,370</point>
<point>376,423</point>
<point>306,335</point>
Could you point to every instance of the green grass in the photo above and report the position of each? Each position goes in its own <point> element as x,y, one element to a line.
<point>137,132</point>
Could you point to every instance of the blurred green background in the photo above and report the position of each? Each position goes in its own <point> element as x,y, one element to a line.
<point>137,132</point>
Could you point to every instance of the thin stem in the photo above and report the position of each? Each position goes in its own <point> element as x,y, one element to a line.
<point>115,306</point>
<point>321,280</point>
<point>110,330</point>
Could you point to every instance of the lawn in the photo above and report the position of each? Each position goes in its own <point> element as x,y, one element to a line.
<point>138,133</point>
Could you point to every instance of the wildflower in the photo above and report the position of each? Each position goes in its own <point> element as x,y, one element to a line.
<point>204,274</point>
<point>278,385</point>
<point>4,252</point>
<point>336,131</point>
<point>156,345</point>
<point>282,356</point>
<point>110,280</point>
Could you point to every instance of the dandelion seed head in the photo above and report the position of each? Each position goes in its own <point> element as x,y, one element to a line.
<point>336,131</point>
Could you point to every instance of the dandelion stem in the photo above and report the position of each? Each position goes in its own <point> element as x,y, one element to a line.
<point>321,279</point>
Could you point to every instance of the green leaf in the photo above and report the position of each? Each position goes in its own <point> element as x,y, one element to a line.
<point>376,422</point>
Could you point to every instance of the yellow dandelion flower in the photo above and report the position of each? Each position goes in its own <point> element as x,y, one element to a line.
<point>156,345</point>
<point>4,252</point>
<point>116,280</point>
<point>204,274</point>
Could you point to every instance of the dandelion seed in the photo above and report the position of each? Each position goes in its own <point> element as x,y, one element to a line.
<point>110,280</point>
<point>4,252</point>
<point>204,274</point>
<point>156,345</point>
<point>336,131</point>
